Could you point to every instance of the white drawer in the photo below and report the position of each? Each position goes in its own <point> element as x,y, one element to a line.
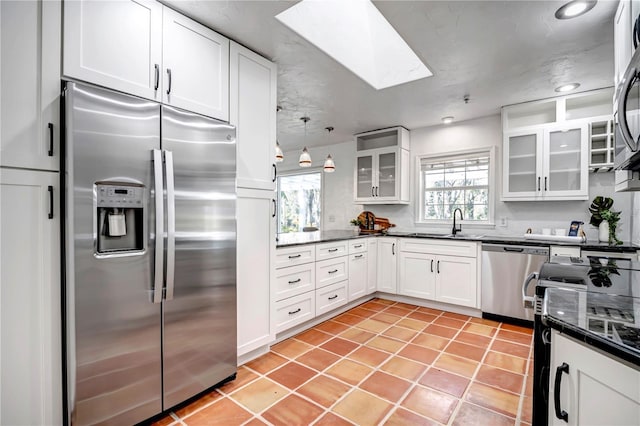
<point>294,280</point>
<point>440,247</point>
<point>295,310</point>
<point>357,246</point>
<point>568,251</point>
<point>331,297</point>
<point>331,250</point>
<point>289,256</point>
<point>331,271</point>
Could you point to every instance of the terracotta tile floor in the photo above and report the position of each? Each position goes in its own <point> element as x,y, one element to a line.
<point>381,363</point>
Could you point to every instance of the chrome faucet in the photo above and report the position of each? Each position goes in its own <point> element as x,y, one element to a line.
<point>458,228</point>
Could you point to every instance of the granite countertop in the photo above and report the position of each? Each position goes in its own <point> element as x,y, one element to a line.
<point>297,238</point>
<point>606,321</point>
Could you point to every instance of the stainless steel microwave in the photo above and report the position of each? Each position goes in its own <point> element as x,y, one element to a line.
<point>626,117</point>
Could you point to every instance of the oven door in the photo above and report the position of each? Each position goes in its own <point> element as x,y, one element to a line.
<point>627,117</point>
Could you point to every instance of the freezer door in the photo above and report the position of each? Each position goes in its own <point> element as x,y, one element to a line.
<point>199,329</point>
<point>113,328</point>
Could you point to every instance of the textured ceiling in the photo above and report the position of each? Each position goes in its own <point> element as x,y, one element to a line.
<point>497,52</point>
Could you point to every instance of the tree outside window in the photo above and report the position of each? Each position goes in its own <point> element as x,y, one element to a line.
<point>299,201</point>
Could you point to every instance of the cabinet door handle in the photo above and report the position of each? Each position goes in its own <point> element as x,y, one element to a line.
<point>560,413</point>
<point>295,281</point>
<point>373,193</point>
<point>333,272</point>
<point>50,152</point>
<point>335,296</point>
<point>358,256</point>
<point>295,312</point>
<point>274,207</point>
<point>538,183</point>
<point>332,250</point>
<point>295,256</point>
<point>168,81</point>
<point>393,249</point>
<point>157,75</point>
<point>275,172</point>
<point>438,266</point>
<point>377,193</point>
<point>431,265</point>
<point>545,183</point>
<point>50,189</point>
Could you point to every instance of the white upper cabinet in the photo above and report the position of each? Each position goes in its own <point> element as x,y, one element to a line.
<point>145,49</point>
<point>30,34</point>
<point>622,40</point>
<point>196,66</point>
<point>547,146</point>
<point>252,100</point>
<point>382,167</point>
<point>115,44</point>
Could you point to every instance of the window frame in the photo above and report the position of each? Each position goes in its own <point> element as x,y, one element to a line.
<point>452,155</point>
<point>295,172</point>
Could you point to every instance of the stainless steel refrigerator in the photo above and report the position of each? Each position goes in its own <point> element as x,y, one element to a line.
<point>150,255</point>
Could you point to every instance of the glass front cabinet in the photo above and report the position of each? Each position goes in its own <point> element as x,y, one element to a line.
<point>382,167</point>
<point>549,163</point>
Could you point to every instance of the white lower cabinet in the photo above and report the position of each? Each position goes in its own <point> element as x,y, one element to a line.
<point>417,275</point>
<point>294,280</point>
<point>357,275</point>
<point>426,273</point>
<point>331,271</point>
<point>372,265</point>
<point>387,265</point>
<point>331,297</point>
<point>294,310</point>
<point>30,317</point>
<point>255,257</point>
<point>594,389</point>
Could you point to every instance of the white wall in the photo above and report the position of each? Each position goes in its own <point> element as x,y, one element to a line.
<point>478,133</point>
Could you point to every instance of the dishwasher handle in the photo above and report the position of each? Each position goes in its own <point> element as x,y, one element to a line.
<point>528,301</point>
<point>516,249</point>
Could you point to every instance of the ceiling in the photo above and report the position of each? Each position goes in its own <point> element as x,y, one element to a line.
<point>497,52</point>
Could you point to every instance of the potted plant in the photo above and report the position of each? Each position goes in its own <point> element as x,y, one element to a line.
<point>356,225</point>
<point>605,219</point>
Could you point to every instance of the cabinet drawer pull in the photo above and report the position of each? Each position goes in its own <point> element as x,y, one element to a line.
<point>295,256</point>
<point>157,75</point>
<point>358,256</point>
<point>358,246</point>
<point>560,413</point>
<point>50,189</point>
<point>50,152</point>
<point>168,81</point>
<point>295,281</point>
<point>335,296</point>
<point>333,272</point>
<point>332,250</point>
<point>295,312</point>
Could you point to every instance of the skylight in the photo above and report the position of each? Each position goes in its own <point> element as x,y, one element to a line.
<point>354,33</point>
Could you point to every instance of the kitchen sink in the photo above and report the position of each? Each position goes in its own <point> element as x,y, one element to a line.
<point>443,235</point>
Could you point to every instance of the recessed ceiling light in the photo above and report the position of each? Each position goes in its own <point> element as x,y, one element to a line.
<point>575,8</point>
<point>567,87</point>
<point>447,120</point>
<point>355,34</point>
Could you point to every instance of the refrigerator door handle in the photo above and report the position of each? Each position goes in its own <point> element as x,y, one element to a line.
<point>171,224</point>
<point>159,255</point>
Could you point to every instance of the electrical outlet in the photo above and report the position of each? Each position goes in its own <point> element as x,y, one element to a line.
<point>332,218</point>
<point>503,221</point>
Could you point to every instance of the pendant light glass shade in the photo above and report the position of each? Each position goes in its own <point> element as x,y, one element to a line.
<point>279,153</point>
<point>329,165</point>
<point>305,158</point>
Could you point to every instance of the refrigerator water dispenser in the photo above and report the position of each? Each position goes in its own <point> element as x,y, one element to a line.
<point>119,217</point>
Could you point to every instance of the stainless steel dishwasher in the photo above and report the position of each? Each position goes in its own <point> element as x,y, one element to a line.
<point>504,269</point>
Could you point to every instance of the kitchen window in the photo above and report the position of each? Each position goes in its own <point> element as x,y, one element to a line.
<point>299,201</point>
<point>461,181</point>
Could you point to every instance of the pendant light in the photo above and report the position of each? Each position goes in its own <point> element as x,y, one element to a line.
<point>305,158</point>
<point>329,165</point>
<point>279,153</point>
